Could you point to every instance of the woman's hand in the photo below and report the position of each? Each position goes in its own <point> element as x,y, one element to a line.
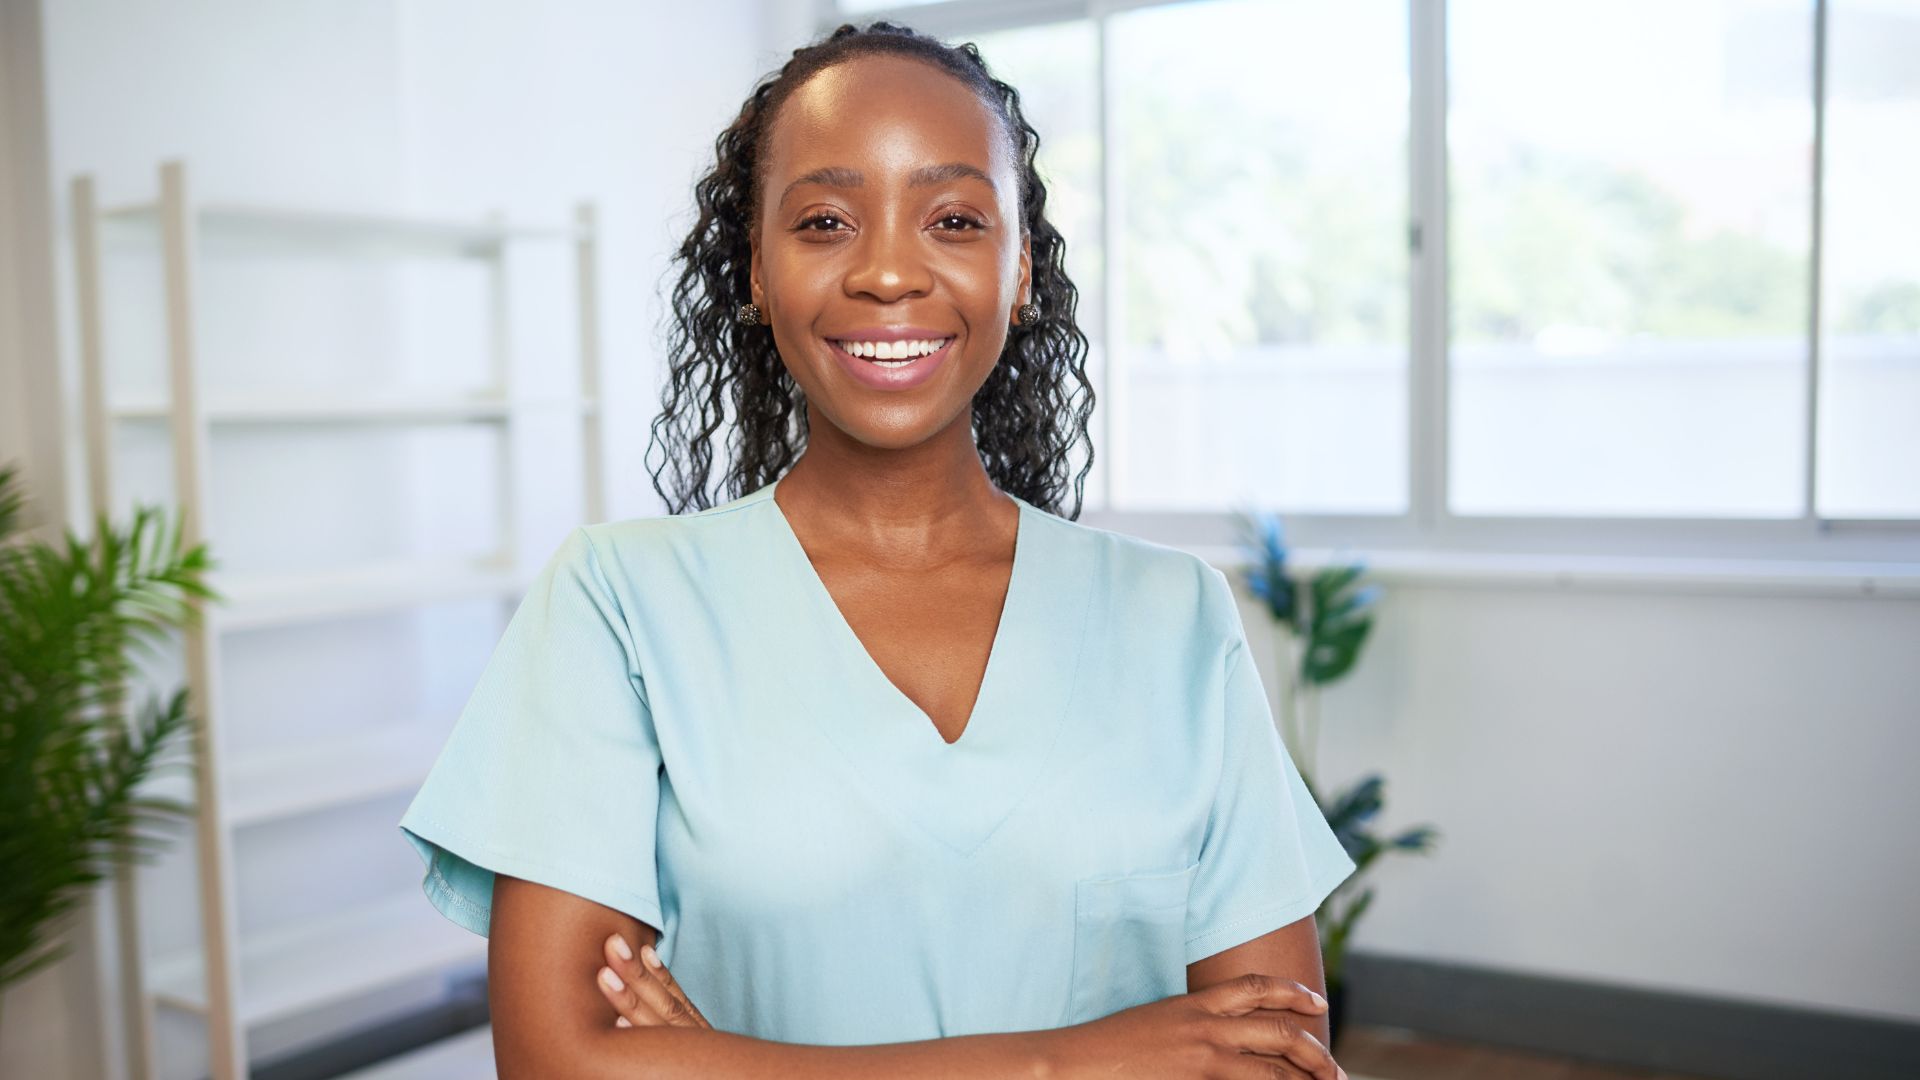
<point>642,990</point>
<point>1247,1028</point>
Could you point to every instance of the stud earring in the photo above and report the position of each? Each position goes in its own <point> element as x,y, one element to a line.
<point>1029,312</point>
<point>748,315</point>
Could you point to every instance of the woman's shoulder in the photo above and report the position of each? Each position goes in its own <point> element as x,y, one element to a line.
<point>669,528</point>
<point>1158,583</point>
<point>681,545</point>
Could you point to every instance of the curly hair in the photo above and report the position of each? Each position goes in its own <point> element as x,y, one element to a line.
<point>1033,407</point>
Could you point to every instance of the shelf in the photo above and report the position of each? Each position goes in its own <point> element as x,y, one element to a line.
<point>323,407</point>
<point>256,601</point>
<point>310,961</point>
<point>270,785</point>
<point>289,970</point>
<point>315,229</point>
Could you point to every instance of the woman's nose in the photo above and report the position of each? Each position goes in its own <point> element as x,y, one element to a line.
<point>889,264</point>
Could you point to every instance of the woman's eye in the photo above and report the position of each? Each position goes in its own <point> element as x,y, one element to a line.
<point>828,223</point>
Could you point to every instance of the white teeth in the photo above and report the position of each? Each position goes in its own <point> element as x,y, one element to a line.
<point>892,350</point>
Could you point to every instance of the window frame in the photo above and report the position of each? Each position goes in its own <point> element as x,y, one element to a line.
<point>1848,555</point>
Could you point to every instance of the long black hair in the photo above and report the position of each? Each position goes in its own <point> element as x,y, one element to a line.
<point>1033,407</point>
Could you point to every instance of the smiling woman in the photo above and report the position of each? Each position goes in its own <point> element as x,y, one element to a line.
<point>901,770</point>
<point>883,185</point>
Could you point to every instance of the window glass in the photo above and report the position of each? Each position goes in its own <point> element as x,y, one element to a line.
<point>1260,150</point>
<point>1869,462</point>
<point>1631,192</point>
<point>1054,70</point>
<point>857,7</point>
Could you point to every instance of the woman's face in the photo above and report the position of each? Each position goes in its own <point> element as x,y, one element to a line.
<point>889,203</point>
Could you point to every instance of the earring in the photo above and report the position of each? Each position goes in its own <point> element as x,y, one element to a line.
<point>748,315</point>
<point>1029,312</point>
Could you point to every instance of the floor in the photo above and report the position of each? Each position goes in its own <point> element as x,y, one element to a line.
<point>1381,1053</point>
<point>467,1056</point>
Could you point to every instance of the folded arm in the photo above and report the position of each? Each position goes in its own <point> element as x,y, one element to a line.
<point>550,1019</point>
<point>1291,952</point>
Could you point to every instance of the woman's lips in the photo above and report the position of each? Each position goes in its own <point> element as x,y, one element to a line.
<point>881,377</point>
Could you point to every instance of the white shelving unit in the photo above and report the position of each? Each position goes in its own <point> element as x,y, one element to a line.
<point>239,981</point>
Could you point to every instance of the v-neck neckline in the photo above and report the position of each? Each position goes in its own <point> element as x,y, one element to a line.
<point>958,793</point>
<point>860,656</point>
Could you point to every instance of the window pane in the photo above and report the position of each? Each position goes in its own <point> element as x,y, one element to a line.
<point>1261,159</point>
<point>856,7</point>
<point>1631,216</point>
<point>1053,69</point>
<point>1870,354</point>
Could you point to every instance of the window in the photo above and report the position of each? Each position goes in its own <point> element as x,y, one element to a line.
<point>1053,67</point>
<point>861,7</point>
<point>1414,275</point>
<point>1869,460</point>
<point>1261,257</point>
<point>1631,226</point>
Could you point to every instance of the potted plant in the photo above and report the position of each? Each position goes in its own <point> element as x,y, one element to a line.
<point>1321,630</point>
<point>71,752</point>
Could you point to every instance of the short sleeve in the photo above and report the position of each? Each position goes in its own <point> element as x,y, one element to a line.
<point>1268,857</point>
<point>552,770</point>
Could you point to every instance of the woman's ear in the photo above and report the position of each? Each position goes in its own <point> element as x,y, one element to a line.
<point>755,292</point>
<point>1024,294</point>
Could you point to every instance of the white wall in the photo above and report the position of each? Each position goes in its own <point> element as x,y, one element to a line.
<point>626,109</point>
<point>29,431</point>
<point>1701,792</point>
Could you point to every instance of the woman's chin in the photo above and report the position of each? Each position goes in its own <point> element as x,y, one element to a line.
<point>893,425</point>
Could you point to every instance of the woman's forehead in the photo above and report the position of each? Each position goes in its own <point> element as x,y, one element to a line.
<point>887,114</point>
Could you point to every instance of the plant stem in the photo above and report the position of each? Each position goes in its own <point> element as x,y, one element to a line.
<point>1306,618</point>
<point>1310,707</point>
<point>1286,672</point>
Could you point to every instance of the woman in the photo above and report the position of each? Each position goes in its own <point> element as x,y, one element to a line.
<point>905,774</point>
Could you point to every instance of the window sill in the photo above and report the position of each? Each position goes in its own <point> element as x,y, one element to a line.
<point>1769,577</point>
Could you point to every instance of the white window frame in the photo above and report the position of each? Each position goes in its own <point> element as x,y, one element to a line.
<point>1849,556</point>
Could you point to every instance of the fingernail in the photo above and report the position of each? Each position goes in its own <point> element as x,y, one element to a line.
<point>1343,1072</point>
<point>613,981</point>
<point>1318,1000</point>
<point>620,946</point>
<point>621,1021</point>
<point>652,958</point>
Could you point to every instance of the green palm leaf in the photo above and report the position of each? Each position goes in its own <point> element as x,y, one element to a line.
<point>73,617</point>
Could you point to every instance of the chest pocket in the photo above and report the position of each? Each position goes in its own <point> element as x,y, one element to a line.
<point>1129,942</point>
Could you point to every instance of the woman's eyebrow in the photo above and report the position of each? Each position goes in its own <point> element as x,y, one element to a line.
<point>842,176</point>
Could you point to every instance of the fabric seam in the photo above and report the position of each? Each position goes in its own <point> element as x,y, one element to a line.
<point>464,841</point>
<point>1265,912</point>
<point>452,891</point>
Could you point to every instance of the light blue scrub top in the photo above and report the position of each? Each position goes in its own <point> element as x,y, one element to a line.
<point>679,724</point>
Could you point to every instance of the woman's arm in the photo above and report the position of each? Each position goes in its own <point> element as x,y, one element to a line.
<point>550,1019</point>
<point>1291,952</point>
